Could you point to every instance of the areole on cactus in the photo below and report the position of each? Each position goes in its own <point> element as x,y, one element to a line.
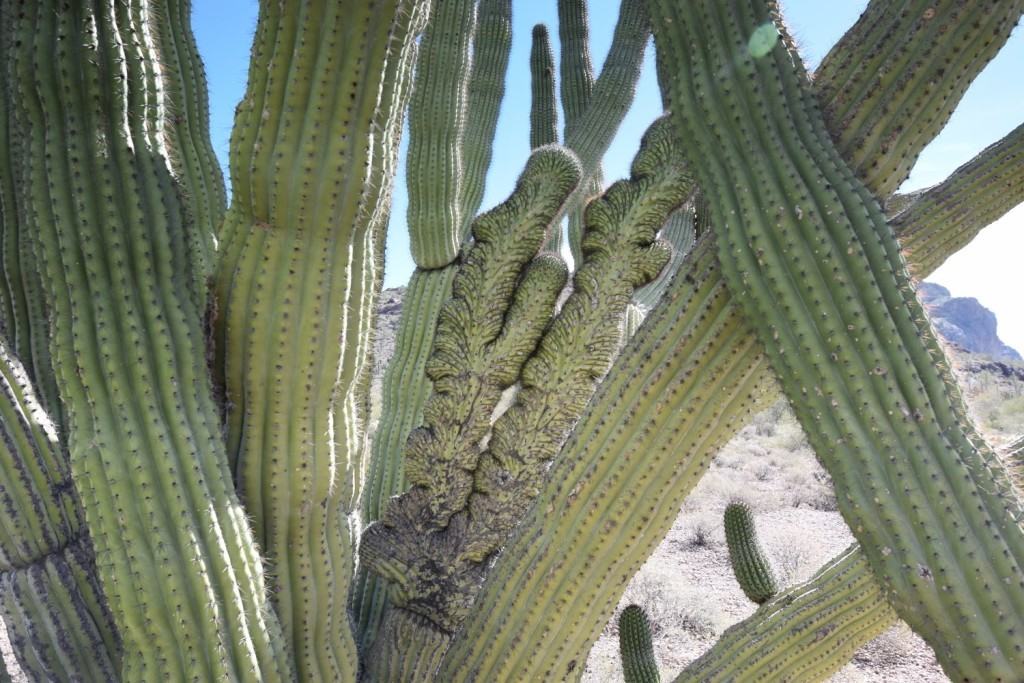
<point>190,490</point>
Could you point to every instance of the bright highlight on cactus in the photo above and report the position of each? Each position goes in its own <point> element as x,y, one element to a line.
<point>635,647</point>
<point>750,565</point>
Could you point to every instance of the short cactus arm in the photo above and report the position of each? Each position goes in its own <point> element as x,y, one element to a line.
<point>173,547</point>
<point>941,220</point>
<point>876,81</point>
<point>313,154</point>
<point>806,633</point>
<point>635,647</point>
<point>815,267</point>
<point>50,596</point>
<point>749,563</point>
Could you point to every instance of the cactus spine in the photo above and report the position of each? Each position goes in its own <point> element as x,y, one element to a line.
<point>635,647</point>
<point>935,514</point>
<point>752,569</point>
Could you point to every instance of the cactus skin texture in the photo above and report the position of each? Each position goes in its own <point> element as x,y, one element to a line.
<point>313,154</point>
<point>635,647</point>
<point>804,634</point>
<point>174,551</point>
<point>50,595</point>
<point>935,514</point>
<point>752,569</point>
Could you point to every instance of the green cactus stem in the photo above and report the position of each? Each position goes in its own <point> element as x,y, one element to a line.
<point>753,571</point>
<point>876,81</point>
<point>173,547</point>
<point>50,596</point>
<point>817,271</point>
<point>635,647</point>
<point>804,634</point>
<point>543,113</point>
<point>313,153</point>
<point>939,221</point>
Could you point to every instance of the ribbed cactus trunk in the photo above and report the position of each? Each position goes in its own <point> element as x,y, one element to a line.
<point>118,244</point>
<point>816,269</point>
<point>312,159</point>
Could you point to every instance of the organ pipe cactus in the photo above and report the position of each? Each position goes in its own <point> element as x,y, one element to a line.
<point>113,222</point>
<point>752,569</point>
<point>635,648</point>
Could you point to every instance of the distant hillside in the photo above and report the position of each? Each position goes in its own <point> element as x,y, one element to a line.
<point>964,322</point>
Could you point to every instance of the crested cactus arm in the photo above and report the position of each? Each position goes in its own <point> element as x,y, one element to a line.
<point>939,221</point>
<point>806,633</point>
<point>680,232</point>
<point>50,595</point>
<point>635,647</point>
<point>809,257</point>
<point>405,385</point>
<point>752,569</point>
<point>173,547</point>
<point>688,377</point>
<point>543,111</point>
<point>901,59</point>
<point>313,154</point>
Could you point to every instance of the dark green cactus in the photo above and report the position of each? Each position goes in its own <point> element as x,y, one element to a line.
<point>752,568</point>
<point>635,647</point>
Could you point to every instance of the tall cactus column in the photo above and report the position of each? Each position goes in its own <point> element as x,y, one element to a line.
<point>173,547</point>
<point>312,157</point>
<point>807,252</point>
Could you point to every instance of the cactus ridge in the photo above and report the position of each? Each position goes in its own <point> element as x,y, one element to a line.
<point>635,647</point>
<point>849,361</point>
<point>806,633</point>
<point>752,569</point>
<point>543,112</point>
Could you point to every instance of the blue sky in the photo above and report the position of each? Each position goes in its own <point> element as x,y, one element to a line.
<point>989,268</point>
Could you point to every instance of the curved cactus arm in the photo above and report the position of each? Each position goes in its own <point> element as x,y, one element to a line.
<point>405,386</point>
<point>876,81</point>
<point>819,274</point>
<point>753,571</point>
<point>173,546</point>
<point>806,633</point>
<point>679,231</point>
<point>313,155</point>
<point>939,221</point>
<point>635,647</point>
<point>50,596</point>
<point>619,472</point>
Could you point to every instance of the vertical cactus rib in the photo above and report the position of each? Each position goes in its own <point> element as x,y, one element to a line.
<point>688,377</point>
<point>437,116</point>
<point>477,93</point>
<point>313,154</point>
<point>173,548</point>
<point>939,221</point>
<point>805,633</point>
<point>878,79</point>
<point>50,595</point>
<point>808,255</point>
<point>752,569</point>
<point>635,647</point>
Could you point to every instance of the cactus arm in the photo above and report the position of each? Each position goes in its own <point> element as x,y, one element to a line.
<point>313,154</point>
<point>576,68</point>
<point>876,81</point>
<point>635,647</point>
<point>942,219</point>
<point>806,633</point>
<point>543,113</point>
<point>619,471</point>
<point>173,547</point>
<point>753,571</point>
<point>679,231</point>
<point>50,596</point>
<point>938,526</point>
